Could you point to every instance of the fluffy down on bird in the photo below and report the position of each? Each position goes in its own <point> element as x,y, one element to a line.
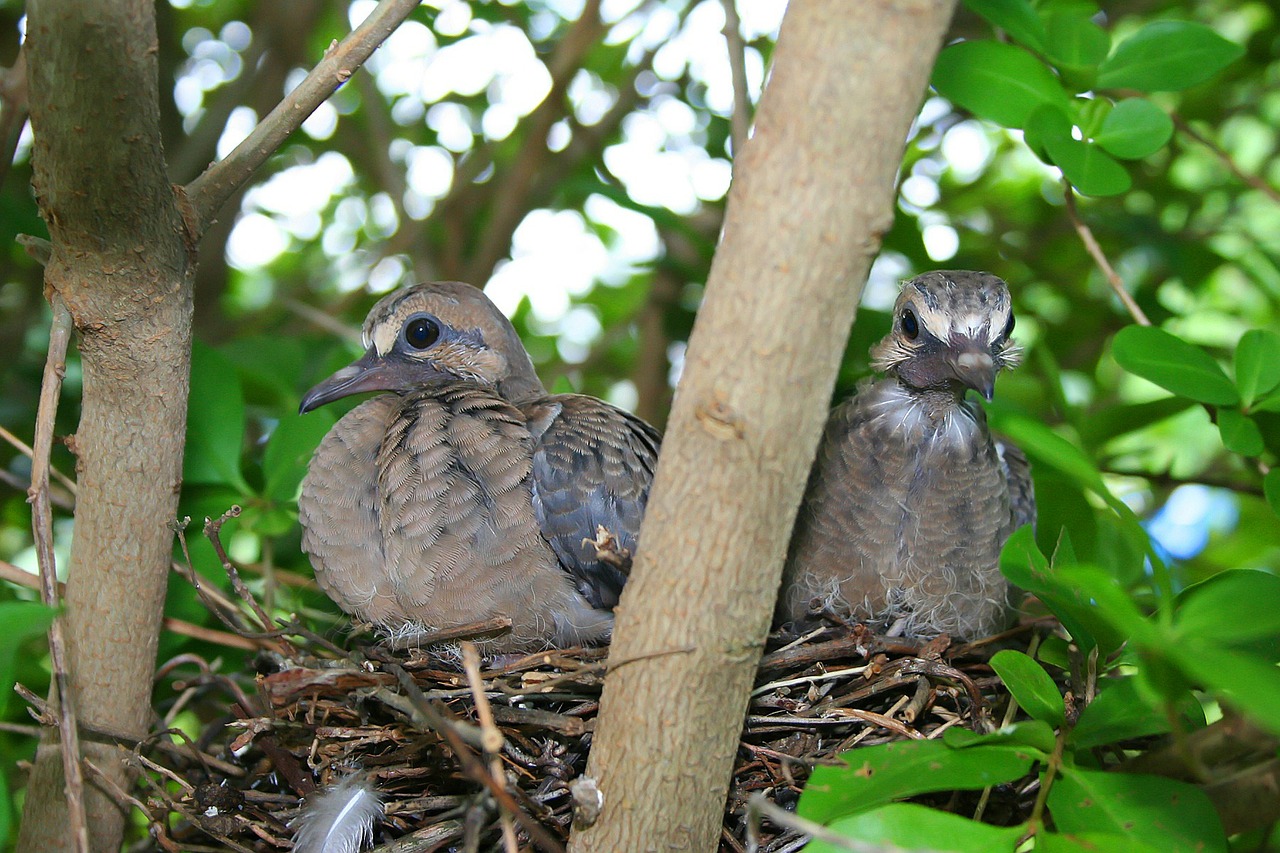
<point>911,498</point>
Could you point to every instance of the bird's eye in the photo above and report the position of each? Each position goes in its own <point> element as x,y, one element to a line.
<point>1008,327</point>
<point>910,326</point>
<point>421,332</point>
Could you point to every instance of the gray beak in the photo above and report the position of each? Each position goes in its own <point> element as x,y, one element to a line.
<point>975,369</point>
<point>370,373</point>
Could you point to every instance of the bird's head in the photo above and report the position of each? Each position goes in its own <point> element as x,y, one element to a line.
<point>950,332</point>
<point>432,333</point>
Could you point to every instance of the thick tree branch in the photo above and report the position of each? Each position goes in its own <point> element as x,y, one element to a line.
<point>211,190</point>
<point>812,195</point>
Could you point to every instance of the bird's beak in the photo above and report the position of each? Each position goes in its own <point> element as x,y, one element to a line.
<point>974,368</point>
<point>370,373</point>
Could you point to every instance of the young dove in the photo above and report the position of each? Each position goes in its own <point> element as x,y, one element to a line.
<point>468,491</point>
<point>910,498</point>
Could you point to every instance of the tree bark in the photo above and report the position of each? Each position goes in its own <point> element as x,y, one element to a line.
<point>123,268</point>
<point>812,195</point>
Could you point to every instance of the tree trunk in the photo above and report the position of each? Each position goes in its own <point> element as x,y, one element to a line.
<point>812,195</point>
<point>123,268</point>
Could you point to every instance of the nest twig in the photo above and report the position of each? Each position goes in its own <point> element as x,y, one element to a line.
<point>409,721</point>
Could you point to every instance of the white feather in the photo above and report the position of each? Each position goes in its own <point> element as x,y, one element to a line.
<point>338,819</point>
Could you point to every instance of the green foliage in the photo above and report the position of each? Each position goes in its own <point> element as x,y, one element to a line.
<point>1067,86</point>
<point>1095,92</point>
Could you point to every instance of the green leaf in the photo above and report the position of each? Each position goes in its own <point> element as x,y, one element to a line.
<point>1257,364</point>
<point>1270,403</point>
<point>1271,488</point>
<point>1119,712</point>
<point>289,450</point>
<point>1174,816</point>
<point>1091,842</point>
<point>1173,364</point>
<point>1023,564</point>
<point>1120,419</point>
<point>876,775</point>
<point>1167,56</point>
<point>1134,129</point>
<point>997,81</point>
<point>22,621</point>
<point>1015,17</point>
<point>1073,42</point>
<point>215,422</point>
<point>1232,606</point>
<point>1240,434</point>
<point>1031,686</point>
<point>906,826</point>
<point>1249,682</point>
<point>1033,734</point>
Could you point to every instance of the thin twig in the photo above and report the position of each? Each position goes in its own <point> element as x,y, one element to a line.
<point>1254,181</point>
<point>213,530</point>
<point>1095,251</point>
<point>42,529</point>
<point>219,182</point>
<point>25,449</point>
<point>449,729</point>
<point>741,120</point>
<point>491,738</point>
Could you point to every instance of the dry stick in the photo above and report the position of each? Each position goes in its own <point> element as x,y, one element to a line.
<point>211,190</point>
<point>741,122</point>
<point>1254,181</point>
<point>450,730</point>
<point>213,530</point>
<point>491,739</point>
<point>1095,251</point>
<point>42,528</point>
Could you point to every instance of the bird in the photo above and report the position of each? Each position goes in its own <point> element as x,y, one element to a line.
<point>467,491</point>
<point>910,498</point>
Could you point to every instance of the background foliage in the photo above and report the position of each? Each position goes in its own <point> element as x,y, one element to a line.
<point>576,156</point>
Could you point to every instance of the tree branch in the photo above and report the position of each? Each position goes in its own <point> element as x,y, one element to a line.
<point>42,529</point>
<point>1095,251</point>
<point>741,122</point>
<point>210,191</point>
<point>1254,181</point>
<point>811,198</point>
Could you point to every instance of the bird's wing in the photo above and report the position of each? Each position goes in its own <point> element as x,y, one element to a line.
<point>338,508</point>
<point>455,516</point>
<point>1017,472</point>
<point>592,467</point>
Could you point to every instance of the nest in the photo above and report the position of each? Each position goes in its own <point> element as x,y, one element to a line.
<point>461,753</point>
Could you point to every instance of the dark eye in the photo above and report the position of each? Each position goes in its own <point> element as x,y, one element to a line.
<point>1008,327</point>
<point>421,332</point>
<point>910,327</point>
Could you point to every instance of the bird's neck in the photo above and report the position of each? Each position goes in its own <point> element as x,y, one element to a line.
<point>920,414</point>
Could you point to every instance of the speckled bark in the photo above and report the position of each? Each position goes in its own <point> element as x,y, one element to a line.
<point>121,264</point>
<point>813,193</point>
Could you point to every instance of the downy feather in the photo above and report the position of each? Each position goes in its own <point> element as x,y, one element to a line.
<point>338,819</point>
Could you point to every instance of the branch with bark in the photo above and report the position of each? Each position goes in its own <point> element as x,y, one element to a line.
<point>812,195</point>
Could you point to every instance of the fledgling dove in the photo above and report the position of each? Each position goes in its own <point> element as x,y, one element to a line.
<point>910,499</point>
<point>467,492</point>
